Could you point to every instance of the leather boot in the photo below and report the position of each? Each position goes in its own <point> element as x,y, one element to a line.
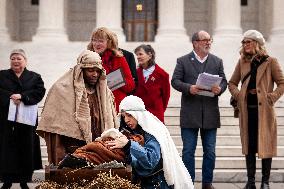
<point>207,186</point>
<point>24,185</point>
<point>251,167</point>
<point>266,168</point>
<point>6,185</point>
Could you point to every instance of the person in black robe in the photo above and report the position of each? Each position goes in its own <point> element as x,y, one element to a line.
<point>19,145</point>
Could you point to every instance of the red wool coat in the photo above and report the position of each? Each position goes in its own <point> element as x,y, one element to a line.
<point>111,63</point>
<point>155,93</point>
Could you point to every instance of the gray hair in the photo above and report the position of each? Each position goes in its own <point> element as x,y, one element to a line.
<point>195,36</point>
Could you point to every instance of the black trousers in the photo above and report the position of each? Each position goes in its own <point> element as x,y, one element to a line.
<point>253,130</point>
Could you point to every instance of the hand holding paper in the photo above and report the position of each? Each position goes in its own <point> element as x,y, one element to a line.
<point>194,89</point>
<point>26,114</point>
<point>216,89</point>
<point>16,98</point>
<point>208,84</point>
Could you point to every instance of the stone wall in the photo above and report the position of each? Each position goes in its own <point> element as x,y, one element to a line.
<point>81,19</point>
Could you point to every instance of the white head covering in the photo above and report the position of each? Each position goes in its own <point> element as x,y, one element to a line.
<point>255,35</point>
<point>175,171</point>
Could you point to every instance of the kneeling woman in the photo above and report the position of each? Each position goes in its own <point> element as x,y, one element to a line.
<point>157,164</point>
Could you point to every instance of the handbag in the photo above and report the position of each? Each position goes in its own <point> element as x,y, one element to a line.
<point>233,101</point>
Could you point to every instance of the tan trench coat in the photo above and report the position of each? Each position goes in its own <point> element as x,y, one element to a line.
<point>268,73</point>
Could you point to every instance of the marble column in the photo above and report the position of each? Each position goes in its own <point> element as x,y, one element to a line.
<point>277,31</point>
<point>228,18</point>
<point>108,14</point>
<point>51,21</point>
<point>4,35</point>
<point>171,21</point>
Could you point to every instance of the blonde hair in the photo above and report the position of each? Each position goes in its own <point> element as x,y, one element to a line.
<point>112,41</point>
<point>259,50</point>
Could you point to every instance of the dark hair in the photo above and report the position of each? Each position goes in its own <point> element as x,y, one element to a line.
<point>149,50</point>
<point>195,36</point>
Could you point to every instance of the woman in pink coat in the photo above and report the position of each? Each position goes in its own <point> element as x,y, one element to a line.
<point>153,82</point>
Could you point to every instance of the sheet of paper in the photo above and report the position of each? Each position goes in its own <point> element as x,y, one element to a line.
<point>206,81</point>
<point>115,79</point>
<point>26,114</point>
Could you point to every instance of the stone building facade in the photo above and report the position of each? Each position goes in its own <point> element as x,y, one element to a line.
<point>73,20</point>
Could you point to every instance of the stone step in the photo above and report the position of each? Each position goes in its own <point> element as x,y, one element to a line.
<point>220,175</point>
<point>240,175</point>
<point>228,151</point>
<point>225,121</point>
<point>224,162</point>
<point>225,141</point>
<point>221,151</point>
<point>225,130</point>
<point>224,111</point>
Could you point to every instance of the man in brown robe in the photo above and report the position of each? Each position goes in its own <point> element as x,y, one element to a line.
<point>78,108</point>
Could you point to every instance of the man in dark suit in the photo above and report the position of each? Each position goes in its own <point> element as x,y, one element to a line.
<point>131,63</point>
<point>199,112</point>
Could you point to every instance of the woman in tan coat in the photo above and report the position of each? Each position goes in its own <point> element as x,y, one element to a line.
<point>256,98</point>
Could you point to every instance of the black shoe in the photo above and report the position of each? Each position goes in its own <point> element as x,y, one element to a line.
<point>6,185</point>
<point>24,185</point>
<point>250,186</point>
<point>207,186</point>
<point>264,186</point>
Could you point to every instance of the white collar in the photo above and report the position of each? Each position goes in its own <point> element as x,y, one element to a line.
<point>201,60</point>
<point>147,72</point>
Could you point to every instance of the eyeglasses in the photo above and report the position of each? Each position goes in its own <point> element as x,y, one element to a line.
<point>101,41</point>
<point>246,42</point>
<point>206,40</point>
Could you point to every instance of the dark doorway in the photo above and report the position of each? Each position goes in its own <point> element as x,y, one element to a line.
<point>139,18</point>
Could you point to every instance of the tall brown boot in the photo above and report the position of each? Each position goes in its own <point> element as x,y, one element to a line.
<point>266,168</point>
<point>251,167</point>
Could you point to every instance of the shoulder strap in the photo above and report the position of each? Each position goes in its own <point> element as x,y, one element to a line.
<point>246,76</point>
<point>261,61</point>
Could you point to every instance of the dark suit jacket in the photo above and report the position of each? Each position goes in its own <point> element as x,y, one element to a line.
<point>197,111</point>
<point>131,63</point>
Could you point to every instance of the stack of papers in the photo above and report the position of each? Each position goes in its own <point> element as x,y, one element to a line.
<point>25,114</point>
<point>115,79</point>
<point>206,81</point>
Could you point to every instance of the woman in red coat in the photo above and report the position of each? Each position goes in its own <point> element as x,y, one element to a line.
<point>153,82</point>
<point>104,42</point>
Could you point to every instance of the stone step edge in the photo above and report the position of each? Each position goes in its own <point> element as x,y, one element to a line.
<point>223,158</point>
<point>220,175</point>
